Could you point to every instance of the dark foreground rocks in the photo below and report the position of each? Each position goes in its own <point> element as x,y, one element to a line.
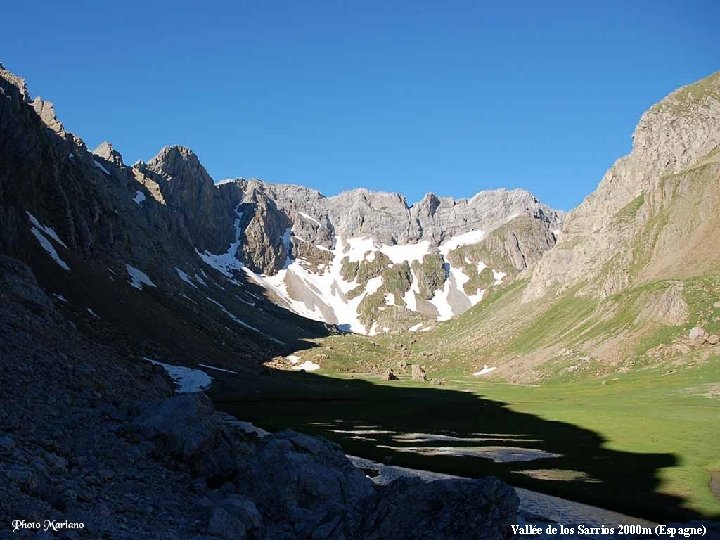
<point>94,437</point>
<point>289,485</point>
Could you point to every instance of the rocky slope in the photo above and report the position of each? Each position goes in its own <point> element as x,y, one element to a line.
<point>673,163</point>
<point>93,443</point>
<point>120,244</point>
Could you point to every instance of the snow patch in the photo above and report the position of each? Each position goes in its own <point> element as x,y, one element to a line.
<point>464,239</point>
<point>484,371</point>
<point>373,285</point>
<point>138,278</point>
<point>310,218</point>
<point>226,262</point>
<point>218,369</point>
<point>43,234</point>
<point>101,167</point>
<point>415,327</point>
<point>48,247</point>
<point>243,323</point>
<point>225,181</point>
<point>139,198</point>
<point>185,277</point>
<point>187,380</point>
<point>307,365</point>
<point>47,231</point>
<point>406,252</point>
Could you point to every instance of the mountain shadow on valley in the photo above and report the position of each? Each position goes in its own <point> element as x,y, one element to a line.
<point>383,423</point>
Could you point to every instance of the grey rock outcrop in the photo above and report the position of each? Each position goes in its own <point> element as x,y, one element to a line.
<point>305,486</point>
<point>186,428</point>
<point>418,373</point>
<point>106,151</point>
<point>667,306</point>
<point>387,217</point>
<point>411,508</point>
<point>236,518</point>
<point>46,112</point>
<point>264,246</point>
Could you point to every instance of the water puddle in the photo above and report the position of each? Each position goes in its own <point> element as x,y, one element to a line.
<point>498,454</point>
<point>437,437</point>
<point>561,475</point>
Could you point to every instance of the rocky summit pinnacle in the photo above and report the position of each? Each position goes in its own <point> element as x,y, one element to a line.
<point>106,151</point>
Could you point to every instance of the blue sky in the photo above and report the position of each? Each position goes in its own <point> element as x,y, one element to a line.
<point>451,97</point>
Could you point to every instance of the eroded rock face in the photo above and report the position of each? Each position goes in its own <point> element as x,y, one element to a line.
<point>387,217</point>
<point>666,307</point>
<point>601,242</point>
<point>46,112</point>
<point>286,228</point>
<point>266,237</point>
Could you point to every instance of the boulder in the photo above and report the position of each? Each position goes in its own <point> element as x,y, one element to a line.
<point>236,518</point>
<point>713,339</point>
<point>697,334</point>
<point>306,485</point>
<point>187,428</point>
<point>390,376</point>
<point>418,373</point>
<point>411,508</point>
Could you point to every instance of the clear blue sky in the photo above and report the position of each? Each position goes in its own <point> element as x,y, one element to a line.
<point>451,97</point>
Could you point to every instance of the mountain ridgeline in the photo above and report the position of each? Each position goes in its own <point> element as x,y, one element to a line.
<point>359,261</point>
<point>159,250</point>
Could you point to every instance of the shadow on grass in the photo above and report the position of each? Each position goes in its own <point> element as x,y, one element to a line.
<point>375,420</point>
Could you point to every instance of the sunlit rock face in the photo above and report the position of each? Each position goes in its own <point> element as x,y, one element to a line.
<point>369,262</point>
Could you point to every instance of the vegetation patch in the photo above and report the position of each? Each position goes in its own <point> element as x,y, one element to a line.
<point>430,275</point>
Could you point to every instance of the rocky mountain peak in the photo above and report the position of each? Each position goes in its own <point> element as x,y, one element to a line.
<point>428,204</point>
<point>182,178</point>
<point>681,128</point>
<point>106,151</point>
<point>176,162</point>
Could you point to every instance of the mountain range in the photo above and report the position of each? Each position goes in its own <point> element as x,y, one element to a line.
<point>114,274</point>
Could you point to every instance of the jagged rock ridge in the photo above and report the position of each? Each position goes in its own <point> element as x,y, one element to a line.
<point>360,259</point>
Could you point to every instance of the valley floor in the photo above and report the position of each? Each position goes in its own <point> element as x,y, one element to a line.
<point>642,444</point>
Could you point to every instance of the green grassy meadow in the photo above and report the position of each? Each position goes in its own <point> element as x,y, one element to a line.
<point>642,443</point>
